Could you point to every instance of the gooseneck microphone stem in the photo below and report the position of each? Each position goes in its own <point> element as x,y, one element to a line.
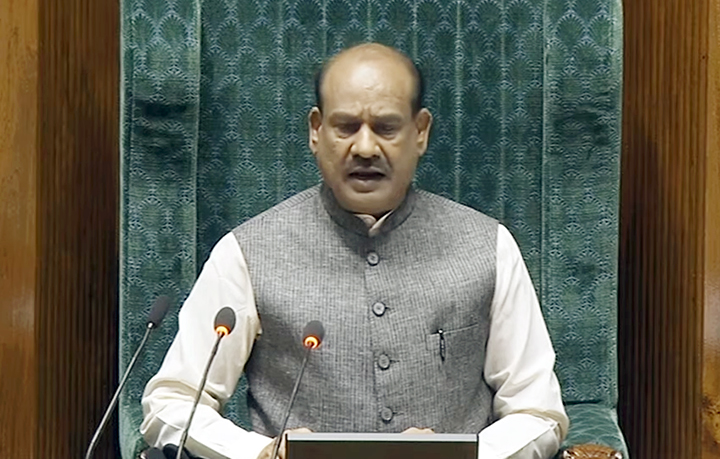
<point>183,439</point>
<point>157,313</point>
<point>278,440</point>
<point>113,402</point>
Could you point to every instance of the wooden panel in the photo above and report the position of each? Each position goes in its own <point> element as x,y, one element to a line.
<point>663,226</point>
<point>18,121</point>
<point>58,224</point>
<point>78,222</point>
<point>711,335</point>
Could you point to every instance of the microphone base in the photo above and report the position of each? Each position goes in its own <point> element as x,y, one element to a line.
<point>171,451</point>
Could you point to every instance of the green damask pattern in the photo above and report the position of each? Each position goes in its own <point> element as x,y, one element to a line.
<point>580,206</point>
<point>526,99</point>
<point>593,423</point>
<point>161,62</point>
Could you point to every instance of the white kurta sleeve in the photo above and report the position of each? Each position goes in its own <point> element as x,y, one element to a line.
<point>531,420</point>
<point>168,396</point>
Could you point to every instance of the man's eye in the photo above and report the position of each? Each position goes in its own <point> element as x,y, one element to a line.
<point>385,129</point>
<point>348,128</point>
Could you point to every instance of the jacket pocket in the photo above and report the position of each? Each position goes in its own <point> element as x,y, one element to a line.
<point>461,345</point>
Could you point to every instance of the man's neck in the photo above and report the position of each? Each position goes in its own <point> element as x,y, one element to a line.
<point>367,224</point>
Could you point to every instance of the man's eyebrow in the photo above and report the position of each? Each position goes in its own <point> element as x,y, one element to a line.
<point>388,118</point>
<point>343,116</point>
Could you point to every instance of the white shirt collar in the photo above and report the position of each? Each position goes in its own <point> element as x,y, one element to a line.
<point>373,223</point>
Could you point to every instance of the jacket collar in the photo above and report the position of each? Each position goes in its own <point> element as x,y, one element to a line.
<point>351,222</point>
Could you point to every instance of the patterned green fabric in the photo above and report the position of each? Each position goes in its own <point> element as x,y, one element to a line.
<point>526,97</point>
<point>594,423</point>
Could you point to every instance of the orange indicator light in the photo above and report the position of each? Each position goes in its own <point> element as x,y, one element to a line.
<point>311,342</point>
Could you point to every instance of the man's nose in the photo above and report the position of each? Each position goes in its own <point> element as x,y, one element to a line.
<point>365,144</point>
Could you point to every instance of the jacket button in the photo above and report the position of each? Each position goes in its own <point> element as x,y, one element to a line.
<point>373,258</point>
<point>378,309</point>
<point>384,361</point>
<point>386,414</point>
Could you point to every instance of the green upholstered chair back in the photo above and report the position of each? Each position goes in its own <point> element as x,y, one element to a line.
<point>526,96</point>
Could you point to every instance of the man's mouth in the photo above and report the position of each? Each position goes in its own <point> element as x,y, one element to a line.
<point>366,174</point>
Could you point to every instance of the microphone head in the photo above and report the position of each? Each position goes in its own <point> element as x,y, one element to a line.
<point>313,334</point>
<point>225,321</point>
<point>152,453</point>
<point>158,311</point>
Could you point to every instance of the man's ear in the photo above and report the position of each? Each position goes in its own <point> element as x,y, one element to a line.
<point>314,124</point>
<point>423,123</point>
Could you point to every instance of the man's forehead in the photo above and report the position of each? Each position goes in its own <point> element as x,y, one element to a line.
<point>367,78</point>
<point>380,57</point>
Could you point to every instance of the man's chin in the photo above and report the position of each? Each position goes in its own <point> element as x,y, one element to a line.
<point>369,202</point>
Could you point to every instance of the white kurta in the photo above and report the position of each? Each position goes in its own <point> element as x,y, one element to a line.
<point>531,421</point>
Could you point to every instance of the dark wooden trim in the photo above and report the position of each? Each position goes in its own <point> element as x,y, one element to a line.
<point>711,229</point>
<point>77,222</point>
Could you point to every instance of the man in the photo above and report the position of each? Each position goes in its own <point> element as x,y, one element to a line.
<point>432,323</point>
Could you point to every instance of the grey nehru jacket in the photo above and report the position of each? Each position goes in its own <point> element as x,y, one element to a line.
<point>406,314</point>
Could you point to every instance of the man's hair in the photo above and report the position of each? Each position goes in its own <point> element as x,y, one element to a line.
<point>416,102</point>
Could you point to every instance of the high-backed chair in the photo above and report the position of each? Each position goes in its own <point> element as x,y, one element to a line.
<point>526,96</point>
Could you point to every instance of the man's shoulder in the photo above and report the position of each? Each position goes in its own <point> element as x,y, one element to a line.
<point>437,206</point>
<point>295,207</point>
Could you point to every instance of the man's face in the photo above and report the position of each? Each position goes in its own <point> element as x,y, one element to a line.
<point>367,142</point>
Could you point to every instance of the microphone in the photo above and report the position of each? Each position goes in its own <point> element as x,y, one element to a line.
<point>313,334</point>
<point>157,313</point>
<point>152,453</point>
<point>224,324</point>
<point>170,451</point>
